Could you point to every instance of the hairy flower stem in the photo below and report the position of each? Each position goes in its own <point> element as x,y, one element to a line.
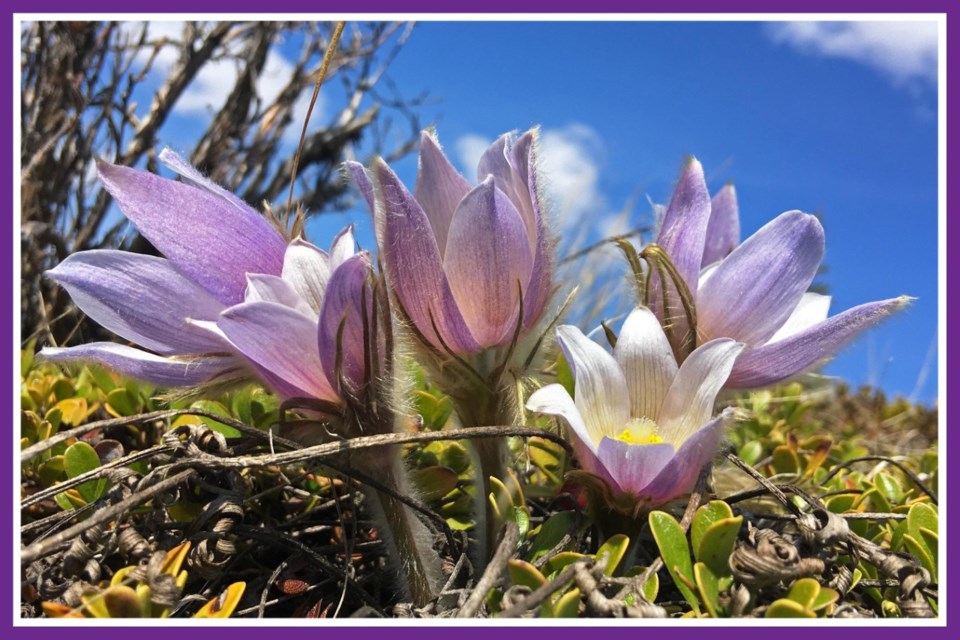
<point>409,542</point>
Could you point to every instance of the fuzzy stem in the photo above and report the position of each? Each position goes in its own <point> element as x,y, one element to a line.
<point>409,542</point>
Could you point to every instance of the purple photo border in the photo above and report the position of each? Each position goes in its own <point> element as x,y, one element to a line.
<point>93,7</point>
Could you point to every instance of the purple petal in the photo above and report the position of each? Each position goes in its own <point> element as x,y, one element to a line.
<point>755,289</point>
<point>439,188</point>
<point>689,403</point>
<point>512,163</point>
<point>187,171</point>
<point>812,309</point>
<point>723,230</point>
<point>601,390</point>
<point>209,239</point>
<point>777,361</point>
<point>343,247</point>
<point>307,269</point>
<point>646,358</point>
<point>683,232</point>
<point>680,474</point>
<point>488,263</point>
<point>413,265</point>
<point>264,288</point>
<point>364,182</point>
<point>141,298</point>
<point>633,466</point>
<point>280,341</point>
<point>541,280</point>
<point>347,293</point>
<point>134,363</point>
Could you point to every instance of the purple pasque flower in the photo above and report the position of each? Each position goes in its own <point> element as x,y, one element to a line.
<point>231,298</point>
<point>640,422</point>
<point>756,291</point>
<point>461,259</point>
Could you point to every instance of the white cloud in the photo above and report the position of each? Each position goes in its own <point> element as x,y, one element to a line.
<point>569,159</point>
<point>906,51</point>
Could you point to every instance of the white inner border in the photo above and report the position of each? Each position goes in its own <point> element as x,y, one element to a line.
<point>941,19</point>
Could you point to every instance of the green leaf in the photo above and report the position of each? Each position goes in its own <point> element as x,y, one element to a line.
<point>525,574</point>
<point>804,592</point>
<point>556,563</point>
<point>551,532</point>
<point>80,458</point>
<point>932,541</point>
<point>564,374</point>
<point>51,471</point>
<point>751,452</point>
<point>63,389</point>
<point>566,606</point>
<point>434,482</point>
<point>673,547</point>
<point>123,402</point>
<point>920,550</point>
<point>826,598</point>
<point>785,460</point>
<point>709,588</point>
<point>101,378</point>
<point>717,544</point>
<point>921,515</point>
<point>218,409</point>
<point>706,515</point>
<point>889,487</point>
<point>611,553</point>
<point>784,608</point>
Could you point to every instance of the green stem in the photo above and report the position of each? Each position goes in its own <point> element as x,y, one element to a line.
<point>409,542</point>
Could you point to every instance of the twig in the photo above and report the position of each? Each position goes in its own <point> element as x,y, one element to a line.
<point>493,573</point>
<point>544,591</point>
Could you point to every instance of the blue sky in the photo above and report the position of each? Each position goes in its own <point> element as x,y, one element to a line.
<point>834,119</point>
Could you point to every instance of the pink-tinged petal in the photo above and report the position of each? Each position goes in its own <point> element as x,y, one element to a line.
<point>413,265</point>
<point>683,232</point>
<point>553,400</point>
<point>512,163</point>
<point>134,363</point>
<point>140,298</point>
<point>344,246</point>
<point>439,188</point>
<point>680,474</point>
<point>754,290</point>
<point>541,280</point>
<point>307,269</point>
<point>189,173</point>
<point>264,288</point>
<point>210,240</point>
<point>690,400</point>
<point>347,293</point>
<point>813,309</point>
<point>601,390</point>
<point>633,466</point>
<point>723,230</point>
<point>361,177</point>
<point>777,361</point>
<point>280,341</point>
<point>644,354</point>
<point>488,263</point>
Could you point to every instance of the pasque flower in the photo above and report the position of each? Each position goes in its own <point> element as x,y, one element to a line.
<point>230,299</point>
<point>639,422</point>
<point>463,259</point>
<point>755,292</point>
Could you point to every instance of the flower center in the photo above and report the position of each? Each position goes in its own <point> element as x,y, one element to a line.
<point>640,431</point>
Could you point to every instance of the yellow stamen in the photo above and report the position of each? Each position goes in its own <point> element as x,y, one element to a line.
<point>640,431</point>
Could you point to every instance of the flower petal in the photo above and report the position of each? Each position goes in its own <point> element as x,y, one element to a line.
<point>633,466</point>
<point>683,231</point>
<point>754,290</point>
<point>141,298</point>
<point>512,163</point>
<point>488,263</point>
<point>439,188</point>
<point>777,361</point>
<point>141,365</point>
<point>189,173</point>
<point>644,354</point>
<point>553,400</point>
<point>601,390</point>
<point>280,341</point>
<point>364,182</point>
<point>813,309</point>
<point>214,242</point>
<point>344,303</point>
<point>723,230</point>
<point>307,269</point>
<point>343,247</point>
<point>680,474</point>
<point>413,265</point>
<point>689,402</point>
<point>264,288</point>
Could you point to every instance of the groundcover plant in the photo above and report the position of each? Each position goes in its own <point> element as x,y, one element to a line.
<point>240,423</point>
